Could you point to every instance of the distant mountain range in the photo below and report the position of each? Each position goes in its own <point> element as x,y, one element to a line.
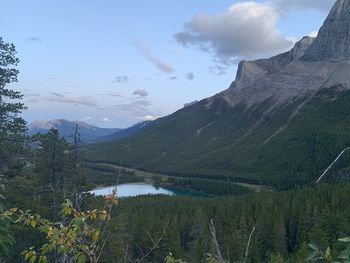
<point>282,121</point>
<point>88,133</point>
<point>125,133</point>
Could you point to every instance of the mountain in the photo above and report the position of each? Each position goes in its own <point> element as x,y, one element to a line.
<point>332,43</point>
<point>125,133</point>
<point>280,123</point>
<point>87,132</point>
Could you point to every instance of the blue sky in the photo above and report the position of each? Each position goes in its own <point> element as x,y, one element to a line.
<point>114,63</point>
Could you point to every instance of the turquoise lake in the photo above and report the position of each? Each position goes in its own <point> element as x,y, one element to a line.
<point>132,190</point>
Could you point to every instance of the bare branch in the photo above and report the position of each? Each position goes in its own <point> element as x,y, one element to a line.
<point>248,244</point>
<point>155,245</point>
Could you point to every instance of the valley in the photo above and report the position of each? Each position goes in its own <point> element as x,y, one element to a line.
<point>256,173</point>
<point>295,156</point>
<point>106,174</point>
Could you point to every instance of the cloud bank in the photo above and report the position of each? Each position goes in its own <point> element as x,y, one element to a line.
<point>76,100</point>
<point>245,30</point>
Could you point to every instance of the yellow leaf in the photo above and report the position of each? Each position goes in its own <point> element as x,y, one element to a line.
<point>27,255</point>
<point>49,232</point>
<point>95,236</point>
<point>32,259</point>
<point>103,215</point>
<point>33,223</point>
<point>60,241</point>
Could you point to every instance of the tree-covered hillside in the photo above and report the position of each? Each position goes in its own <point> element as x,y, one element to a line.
<point>286,222</point>
<point>285,146</point>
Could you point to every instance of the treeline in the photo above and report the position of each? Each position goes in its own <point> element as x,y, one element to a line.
<point>285,222</point>
<point>107,174</point>
<point>207,187</point>
<point>294,157</point>
<point>98,175</point>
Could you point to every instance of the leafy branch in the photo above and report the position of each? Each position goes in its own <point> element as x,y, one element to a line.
<point>81,236</point>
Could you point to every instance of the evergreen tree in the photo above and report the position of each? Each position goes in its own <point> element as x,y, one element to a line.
<point>51,166</point>
<point>76,168</point>
<point>199,237</point>
<point>279,236</point>
<point>12,127</point>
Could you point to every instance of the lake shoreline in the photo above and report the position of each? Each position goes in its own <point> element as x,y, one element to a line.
<point>107,187</point>
<point>132,190</point>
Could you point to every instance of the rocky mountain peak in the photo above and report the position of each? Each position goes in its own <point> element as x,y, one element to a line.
<point>249,71</point>
<point>300,47</point>
<point>312,64</point>
<point>333,40</point>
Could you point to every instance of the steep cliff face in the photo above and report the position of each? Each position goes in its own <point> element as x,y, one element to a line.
<point>280,122</point>
<point>279,77</point>
<point>313,64</point>
<point>333,41</point>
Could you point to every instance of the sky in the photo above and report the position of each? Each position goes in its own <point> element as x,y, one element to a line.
<point>114,63</point>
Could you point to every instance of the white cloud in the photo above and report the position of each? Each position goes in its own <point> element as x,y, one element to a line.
<point>114,94</point>
<point>121,79</point>
<point>138,107</point>
<point>150,118</point>
<point>77,100</point>
<point>246,30</point>
<point>105,119</point>
<point>160,64</point>
<point>85,119</point>
<point>190,76</point>
<point>313,33</point>
<point>34,39</point>
<point>141,93</point>
<point>190,103</point>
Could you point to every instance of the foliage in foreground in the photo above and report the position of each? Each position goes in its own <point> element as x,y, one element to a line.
<point>327,256</point>
<point>316,256</point>
<point>80,237</point>
<point>285,223</point>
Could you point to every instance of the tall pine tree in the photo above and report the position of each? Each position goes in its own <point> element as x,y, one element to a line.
<point>12,129</point>
<point>12,126</point>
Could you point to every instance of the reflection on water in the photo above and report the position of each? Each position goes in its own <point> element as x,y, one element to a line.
<point>131,190</point>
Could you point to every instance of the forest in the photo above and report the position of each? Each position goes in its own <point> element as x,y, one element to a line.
<point>294,158</point>
<point>46,214</point>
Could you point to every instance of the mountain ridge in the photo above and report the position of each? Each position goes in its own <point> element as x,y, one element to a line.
<point>279,123</point>
<point>65,127</point>
<point>88,133</point>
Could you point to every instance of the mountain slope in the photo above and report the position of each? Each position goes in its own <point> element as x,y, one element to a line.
<point>125,133</point>
<point>281,122</point>
<point>65,128</point>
